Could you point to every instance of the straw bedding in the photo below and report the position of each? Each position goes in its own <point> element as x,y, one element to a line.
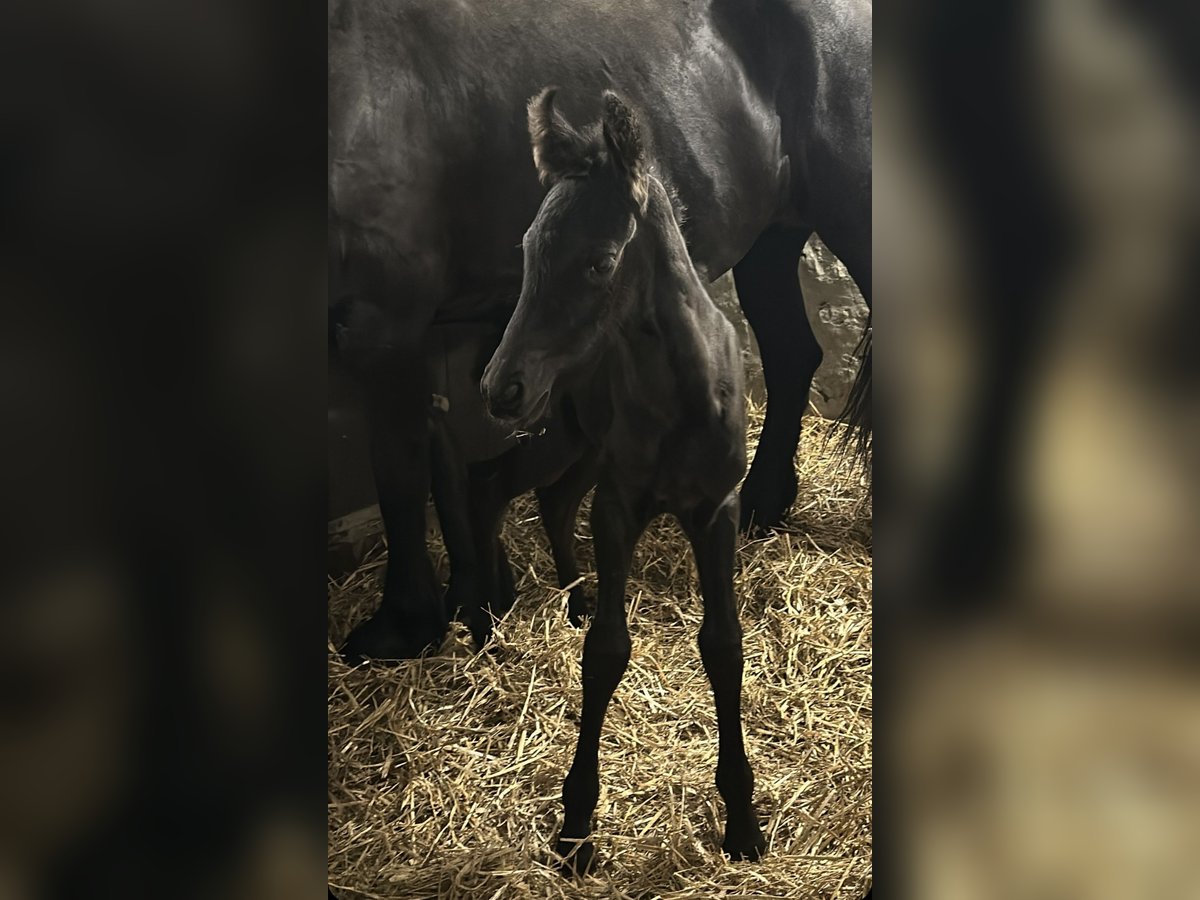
<point>445,774</point>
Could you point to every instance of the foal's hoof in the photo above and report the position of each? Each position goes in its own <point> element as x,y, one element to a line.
<point>482,635</point>
<point>745,842</point>
<point>578,857</point>
<point>458,592</point>
<point>580,604</point>
<point>386,639</point>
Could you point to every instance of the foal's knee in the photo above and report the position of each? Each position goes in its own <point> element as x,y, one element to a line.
<point>721,642</point>
<point>606,652</point>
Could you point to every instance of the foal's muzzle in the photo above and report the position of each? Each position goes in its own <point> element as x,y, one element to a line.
<point>505,401</point>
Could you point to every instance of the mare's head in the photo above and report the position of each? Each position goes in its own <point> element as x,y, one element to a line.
<point>581,264</point>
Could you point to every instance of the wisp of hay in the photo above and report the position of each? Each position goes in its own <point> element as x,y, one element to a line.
<point>445,773</point>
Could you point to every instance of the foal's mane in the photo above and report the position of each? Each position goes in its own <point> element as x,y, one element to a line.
<point>596,156</point>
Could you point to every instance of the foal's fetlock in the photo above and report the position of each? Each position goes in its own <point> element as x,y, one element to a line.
<point>578,856</point>
<point>580,603</point>
<point>744,839</point>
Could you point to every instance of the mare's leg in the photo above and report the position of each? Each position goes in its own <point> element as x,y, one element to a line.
<point>388,287</point>
<point>618,520</point>
<point>978,507</point>
<point>382,339</point>
<point>768,287</point>
<point>713,534</point>
<point>558,504</point>
<point>849,237</point>
<point>411,618</point>
<point>852,246</point>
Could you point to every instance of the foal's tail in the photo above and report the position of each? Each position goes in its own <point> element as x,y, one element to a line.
<point>856,439</point>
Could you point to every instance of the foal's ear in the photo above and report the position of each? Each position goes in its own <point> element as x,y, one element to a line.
<point>623,135</point>
<point>558,149</point>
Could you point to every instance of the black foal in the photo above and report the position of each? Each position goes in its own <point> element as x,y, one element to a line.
<point>613,315</point>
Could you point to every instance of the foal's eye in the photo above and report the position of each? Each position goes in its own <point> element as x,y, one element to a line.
<point>603,266</point>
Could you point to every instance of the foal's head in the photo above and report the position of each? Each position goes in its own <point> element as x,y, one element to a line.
<point>581,266</point>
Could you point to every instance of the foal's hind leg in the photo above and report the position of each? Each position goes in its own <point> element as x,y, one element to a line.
<point>768,286</point>
<point>450,485</point>
<point>506,585</point>
<point>712,536</point>
<point>488,501</point>
<point>559,504</point>
<point>617,522</point>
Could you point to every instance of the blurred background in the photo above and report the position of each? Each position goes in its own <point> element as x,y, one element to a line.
<point>164,431</point>
<point>1037,477</point>
<point>162,247</point>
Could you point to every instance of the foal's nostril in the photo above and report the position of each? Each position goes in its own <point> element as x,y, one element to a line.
<point>511,395</point>
<point>505,401</point>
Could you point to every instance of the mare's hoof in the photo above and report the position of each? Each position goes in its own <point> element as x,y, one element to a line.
<point>479,622</point>
<point>758,519</point>
<point>578,857</point>
<point>580,604</point>
<point>764,505</point>
<point>744,842</point>
<point>386,639</point>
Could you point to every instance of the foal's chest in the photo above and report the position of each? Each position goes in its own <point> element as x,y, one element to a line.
<point>676,467</point>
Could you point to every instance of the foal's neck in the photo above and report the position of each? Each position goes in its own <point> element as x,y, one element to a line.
<point>677,283</point>
<point>689,322</point>
<point>675,366</point>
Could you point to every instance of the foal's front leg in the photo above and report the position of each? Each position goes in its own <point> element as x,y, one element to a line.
<point>618,520</point>
<point>712,533</point>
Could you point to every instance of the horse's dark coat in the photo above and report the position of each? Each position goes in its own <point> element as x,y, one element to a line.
<point>613,315</point>
<point>561,467</point>
<point>479,466</point>
<point>760,112</point>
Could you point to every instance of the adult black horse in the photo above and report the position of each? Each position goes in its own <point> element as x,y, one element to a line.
<point>760,110</point>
